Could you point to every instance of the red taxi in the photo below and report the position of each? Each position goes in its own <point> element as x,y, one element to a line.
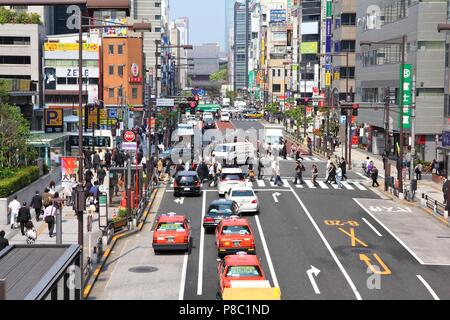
<point>240,266</point>
<point>234,235</point>
<point>172,232</point>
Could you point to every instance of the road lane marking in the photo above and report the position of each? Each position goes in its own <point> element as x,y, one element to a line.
<point>261,183</point>
<point>334,185</point>
<point>310,184</point>
<point>202,248</point>
<point>386,271</point>
<point>359,186</point>
<point>311,273</point>
<point>322,184</point>
<point>347,185</point>
<point>390,232</point>
<point>298,185</point>
<point>361,175</point>
<point>275,196</point>
<point>183,276</point>
<point>327,245</point>
<point>372,227</point>
<point>353,237</point>
<point>430,290</point>
<point>266,252</point>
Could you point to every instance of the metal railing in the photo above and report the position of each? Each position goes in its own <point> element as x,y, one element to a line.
<point>433,204</point>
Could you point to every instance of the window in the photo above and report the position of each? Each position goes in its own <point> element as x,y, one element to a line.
<point>134,93</point>
<point>15,60</point>
<point>157,4</point>
<point>279,72</point>
<point>72,80</point>
<point>157,29</point>
<point>348,19</point>
<point>273,72</point>
<point>111,49</point>
<point>111,92</point>
<point>120,49</point>
<point>157,17</point>
<point>120,92</point>
<point>276,88</point>
<point>347,46</point>
<point>61,80</point>
<point>111,70</point>
<point>14,40</point>
<point>120,70</point>
<point>350,72</point>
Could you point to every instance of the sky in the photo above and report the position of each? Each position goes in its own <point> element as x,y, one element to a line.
<point>206,18</point>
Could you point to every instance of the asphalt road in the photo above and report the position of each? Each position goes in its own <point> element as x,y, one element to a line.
<point>314,242</point>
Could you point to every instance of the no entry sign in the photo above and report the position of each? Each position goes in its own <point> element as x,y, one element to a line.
<point>129,136</point>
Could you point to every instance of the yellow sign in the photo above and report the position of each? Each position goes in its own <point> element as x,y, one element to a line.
<point>337,76</point>
<point>51,46</point>
<point>53,117</point>
<point>309,48</point>
<point>328,79</point>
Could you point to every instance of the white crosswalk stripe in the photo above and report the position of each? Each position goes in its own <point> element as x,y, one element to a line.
<point>359,186</point>
<point>347,185</point>
<point>310,184</point>
<point>335,186</point>
<point>322,184</point>
<point>261,183</point>
<point>298,185</point>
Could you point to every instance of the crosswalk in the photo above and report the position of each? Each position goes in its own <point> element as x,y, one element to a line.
<point>308,184</point>
<point>305,159</point>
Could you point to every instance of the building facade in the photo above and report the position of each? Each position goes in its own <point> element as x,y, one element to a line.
<point>378,71</point>
<point>205,57</point>
<point>241,44</point>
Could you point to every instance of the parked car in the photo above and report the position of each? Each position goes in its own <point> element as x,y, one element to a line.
<point>187,183</point>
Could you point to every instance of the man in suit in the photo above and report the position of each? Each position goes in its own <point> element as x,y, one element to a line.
<point>36,204</point>
<point>23,217</point>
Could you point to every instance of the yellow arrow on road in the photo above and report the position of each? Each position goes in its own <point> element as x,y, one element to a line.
<point>366,259</point>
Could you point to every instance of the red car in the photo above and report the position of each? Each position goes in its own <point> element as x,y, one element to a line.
<point>172,232</point>
<point>240,266</point>
<point>234,235</point>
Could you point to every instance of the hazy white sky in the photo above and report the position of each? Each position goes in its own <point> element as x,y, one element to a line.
<point>206,18</point>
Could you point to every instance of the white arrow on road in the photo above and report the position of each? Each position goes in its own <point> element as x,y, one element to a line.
<point>179,200</point>
<point>311,273</point>
<point>275,196</point>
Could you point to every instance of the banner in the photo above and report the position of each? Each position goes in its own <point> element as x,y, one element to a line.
<point>407,96</point>
<point>309,47</point>
<point>52,46</point>
<point>69,170</point>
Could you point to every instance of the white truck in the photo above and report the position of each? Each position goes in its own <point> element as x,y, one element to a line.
<point>272,134</point>
<point>226,102</point>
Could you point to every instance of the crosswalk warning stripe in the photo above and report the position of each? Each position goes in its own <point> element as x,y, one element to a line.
<point>310,184</point>
<point>322,184</point>
<point>359,186</point>
<point>347,185</point>
<point>261,183</point>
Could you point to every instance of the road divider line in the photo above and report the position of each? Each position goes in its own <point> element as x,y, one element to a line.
<point>202,249</point>
<point>183,276</point>
<point>327,245</point>
<point>372,227</point>
<point>267,253</point>
<point>390,232</point>
<point>430,290</point>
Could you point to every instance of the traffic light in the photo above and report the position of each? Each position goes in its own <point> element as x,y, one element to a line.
<point>355,109</point>
<point>302,101</point>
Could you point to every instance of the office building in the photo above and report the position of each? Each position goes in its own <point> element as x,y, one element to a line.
<point>241,43</point>
<point>205,57</point>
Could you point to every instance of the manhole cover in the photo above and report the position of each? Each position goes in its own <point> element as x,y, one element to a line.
<point>143,269</point>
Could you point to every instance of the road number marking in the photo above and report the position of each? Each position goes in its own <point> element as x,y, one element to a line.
<point>339,223</point>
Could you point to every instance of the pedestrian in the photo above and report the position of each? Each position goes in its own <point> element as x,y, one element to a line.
<point>260,169</point>
<point>293,151</point>
<point>269,149</point>
<point>309,143</point>
<point>299,172</point>
<point>418,171</point>
<point>46,198</point>
<point>30,233</point>
<point>435,166</point>
<point>52,187</point>
<point>108,158</point>
<point>328,167</point>
<point>23,217</point>
<point>314,174</point>
<point>36,204</point>
<point>370,167</point>
<point>343,166</point>
<point>67,192</point>
<point>374,175</point>
<point>101,174</point>
<point>13,210</point>
<point>278,180</point>
<point>88,175</point>
<point>284,151</point>
<point>159,167</point>
<point>49,218</point>
<point>96,161</point>
<point>144,163</point>
<point>339,177</point>
<point>94,191</point>
<point>445,189</point>
<point>3,241</point>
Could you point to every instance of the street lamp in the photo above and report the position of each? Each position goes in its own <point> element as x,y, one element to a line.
<point>401,102</point>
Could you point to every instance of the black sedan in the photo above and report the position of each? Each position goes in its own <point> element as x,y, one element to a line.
<point>186,183</point>
<point>219,210</point>
<point>209,124</point>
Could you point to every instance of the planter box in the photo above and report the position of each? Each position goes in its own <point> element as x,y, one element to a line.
<point>120,224</point>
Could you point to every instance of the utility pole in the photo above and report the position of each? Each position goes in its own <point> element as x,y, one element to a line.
<point>400,156</point>
<point>387,148</point>
<point>413,136</point>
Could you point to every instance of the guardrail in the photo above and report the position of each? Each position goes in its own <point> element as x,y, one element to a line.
<point>435,205</point>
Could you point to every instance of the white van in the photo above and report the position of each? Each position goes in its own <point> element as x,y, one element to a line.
<point>224,117</point>
<point>243,152</point>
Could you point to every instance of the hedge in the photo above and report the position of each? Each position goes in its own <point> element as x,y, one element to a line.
<point>21,179</point>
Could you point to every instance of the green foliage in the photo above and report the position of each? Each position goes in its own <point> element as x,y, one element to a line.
<point>18,180</point>
<point>122,212</point>
<point>9,16</point>
<point>230,94</point>
<point>14,133</point>
<point>272,108</point>
<point>219,76</point>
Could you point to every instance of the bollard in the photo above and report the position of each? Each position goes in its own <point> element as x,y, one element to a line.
<point>446,214</point>
<point>435,206</point>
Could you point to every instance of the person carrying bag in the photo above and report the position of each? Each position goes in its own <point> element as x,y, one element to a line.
<point>49,218</point>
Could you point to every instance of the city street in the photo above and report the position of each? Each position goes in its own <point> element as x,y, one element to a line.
<point>359,245</point>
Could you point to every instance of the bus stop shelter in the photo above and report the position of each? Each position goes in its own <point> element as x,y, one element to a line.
<point>40,272</point>
<point>50,146</point>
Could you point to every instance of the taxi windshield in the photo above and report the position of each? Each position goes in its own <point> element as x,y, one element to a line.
<point>232,176</point>
<point>242,230</point>
<point>243,271</point>
<point>170,226</point>
<point>242,193</point>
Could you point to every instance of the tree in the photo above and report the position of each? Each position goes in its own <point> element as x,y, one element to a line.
<point>272,108</point>
<point>9,16</point>
<point>297,115</point>
<point>219,76</point>
<point>230,94</point>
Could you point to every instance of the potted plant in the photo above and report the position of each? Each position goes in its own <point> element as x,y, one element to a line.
<point>120,220</point>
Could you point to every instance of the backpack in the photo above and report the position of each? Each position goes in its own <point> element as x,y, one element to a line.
<point>302,167</point>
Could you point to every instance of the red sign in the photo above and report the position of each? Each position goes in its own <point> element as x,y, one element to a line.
<point>192,104</point>
<point>355,140</point>
<point>135,79</point>
<point>129,136</point>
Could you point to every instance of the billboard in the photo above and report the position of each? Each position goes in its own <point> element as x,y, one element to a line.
<point>50,78</point>
<point>278,16</point>
<point>309,47</point>
<point>53,119</point>
<point>69,170</point>
<point>115,31</point>
<point>310,28</point>
<point>53,46</point>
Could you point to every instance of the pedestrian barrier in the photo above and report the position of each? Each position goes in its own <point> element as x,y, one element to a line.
<point>435,205</point>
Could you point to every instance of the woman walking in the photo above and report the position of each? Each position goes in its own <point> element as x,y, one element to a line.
<point>30,233</point>
<point>314,174</point>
